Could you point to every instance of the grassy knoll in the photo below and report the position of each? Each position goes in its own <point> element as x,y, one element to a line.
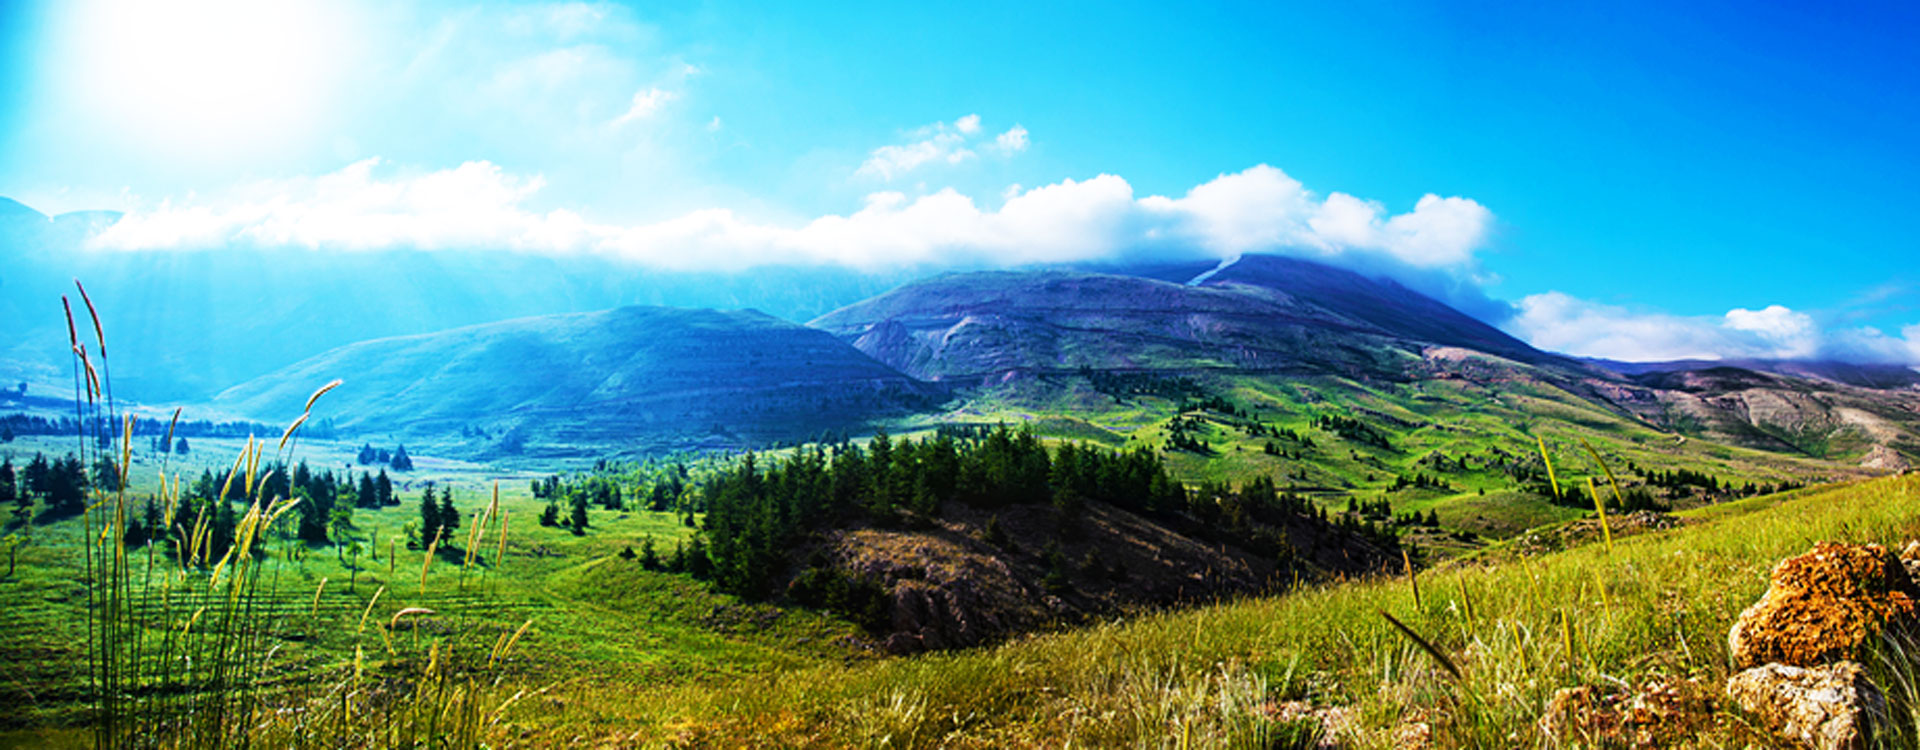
<point>1517,629</point>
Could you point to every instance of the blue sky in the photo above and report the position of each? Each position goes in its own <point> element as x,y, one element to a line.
<point>1637,180</point>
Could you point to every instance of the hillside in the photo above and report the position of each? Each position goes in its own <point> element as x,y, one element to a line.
<point>1276,671</point>
<point>633,377</point>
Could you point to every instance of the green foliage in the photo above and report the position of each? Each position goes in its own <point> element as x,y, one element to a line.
<point>859,599</point>
<point>755,515</point>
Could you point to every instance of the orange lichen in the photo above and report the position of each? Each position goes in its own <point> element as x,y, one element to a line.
<point>1827,605</point>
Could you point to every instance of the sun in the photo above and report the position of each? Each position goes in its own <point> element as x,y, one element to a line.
<point>204,76</point>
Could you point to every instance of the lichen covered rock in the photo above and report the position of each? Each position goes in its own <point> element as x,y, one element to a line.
<point>1827,708</point>
<point>1828,605</point>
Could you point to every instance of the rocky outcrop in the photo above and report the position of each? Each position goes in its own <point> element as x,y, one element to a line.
<point>1834,707</point>
<point>1828,605</point>
<point>1660,713</point>
<point>1885,458</point>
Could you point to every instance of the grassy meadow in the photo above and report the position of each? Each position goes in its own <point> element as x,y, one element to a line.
<point>606,653</point>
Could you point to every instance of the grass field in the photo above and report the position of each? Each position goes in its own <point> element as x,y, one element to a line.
<point>617,655</point>
<point>596,615</point>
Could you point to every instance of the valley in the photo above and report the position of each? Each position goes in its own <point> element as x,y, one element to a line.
<point>930,494</point>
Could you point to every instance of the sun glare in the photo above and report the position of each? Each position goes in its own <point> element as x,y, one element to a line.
<point>205,75</point>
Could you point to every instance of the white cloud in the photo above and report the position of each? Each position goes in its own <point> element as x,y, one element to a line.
<point>1555,321</point>
<point>645,102</point>
<point>477,205</point>
<point>1263,209</point>
<point>1012,141</point>
<point>888,162</point>
<point>713,125</point>
<point>939,143</point>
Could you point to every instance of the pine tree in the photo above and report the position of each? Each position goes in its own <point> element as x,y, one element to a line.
<point>9,493</point>
<point>429,517</point>
<point>401,461</point>
<point>578,518</point>
<point>180,447</point>
<point>449,517</point>
<point>383,488</point>
<point>649,557</point>
<point>551,516</point>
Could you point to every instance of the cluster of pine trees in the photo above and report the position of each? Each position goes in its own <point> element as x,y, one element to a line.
<point>438,519</point>
<point>1125,385</point>
<point>1180,435</point>
<point>60,485</point>
<point>397,459</point>
<point>756,513</point>
<point>1420,481</point>
<point>1352,430</point>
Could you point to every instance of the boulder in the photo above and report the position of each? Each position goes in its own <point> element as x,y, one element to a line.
<point>1828,605</point>
<point>1826,708</point>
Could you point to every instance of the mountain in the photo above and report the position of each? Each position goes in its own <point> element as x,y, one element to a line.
<point>186,323</point>
<point>635,377</point>
<point>1379,302</point>
<point>1285,322</point>
<point>1258,314</point>
<point>1783,412</point>
<point>1846,373</point>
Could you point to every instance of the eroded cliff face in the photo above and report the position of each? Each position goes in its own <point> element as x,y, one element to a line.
<point>1873,427</point>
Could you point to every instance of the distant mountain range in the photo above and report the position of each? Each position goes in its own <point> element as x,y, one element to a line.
<point>415,336</point>
<point>200,320</point>
<point>639,377</point>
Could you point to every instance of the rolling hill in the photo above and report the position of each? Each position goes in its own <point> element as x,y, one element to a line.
<point>632,377</point>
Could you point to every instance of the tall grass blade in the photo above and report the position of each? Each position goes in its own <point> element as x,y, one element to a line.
<point>1445,663</point>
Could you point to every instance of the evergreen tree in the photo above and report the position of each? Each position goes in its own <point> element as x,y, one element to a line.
<point>578,518</point>
<point>180,447</point>
<point>401,461</point>
<point>9,494</point>
<point>66,487</point>
<point>449,516</point>
<point>649,557</point>
<point>551,516</point>
<point>383,489</point>
<point>429,517</point>
<point>367,495</point>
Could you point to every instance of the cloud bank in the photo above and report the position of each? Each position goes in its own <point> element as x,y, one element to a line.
<point>1558,322</point>
<point>373,206</point>
<point>477,206</point>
